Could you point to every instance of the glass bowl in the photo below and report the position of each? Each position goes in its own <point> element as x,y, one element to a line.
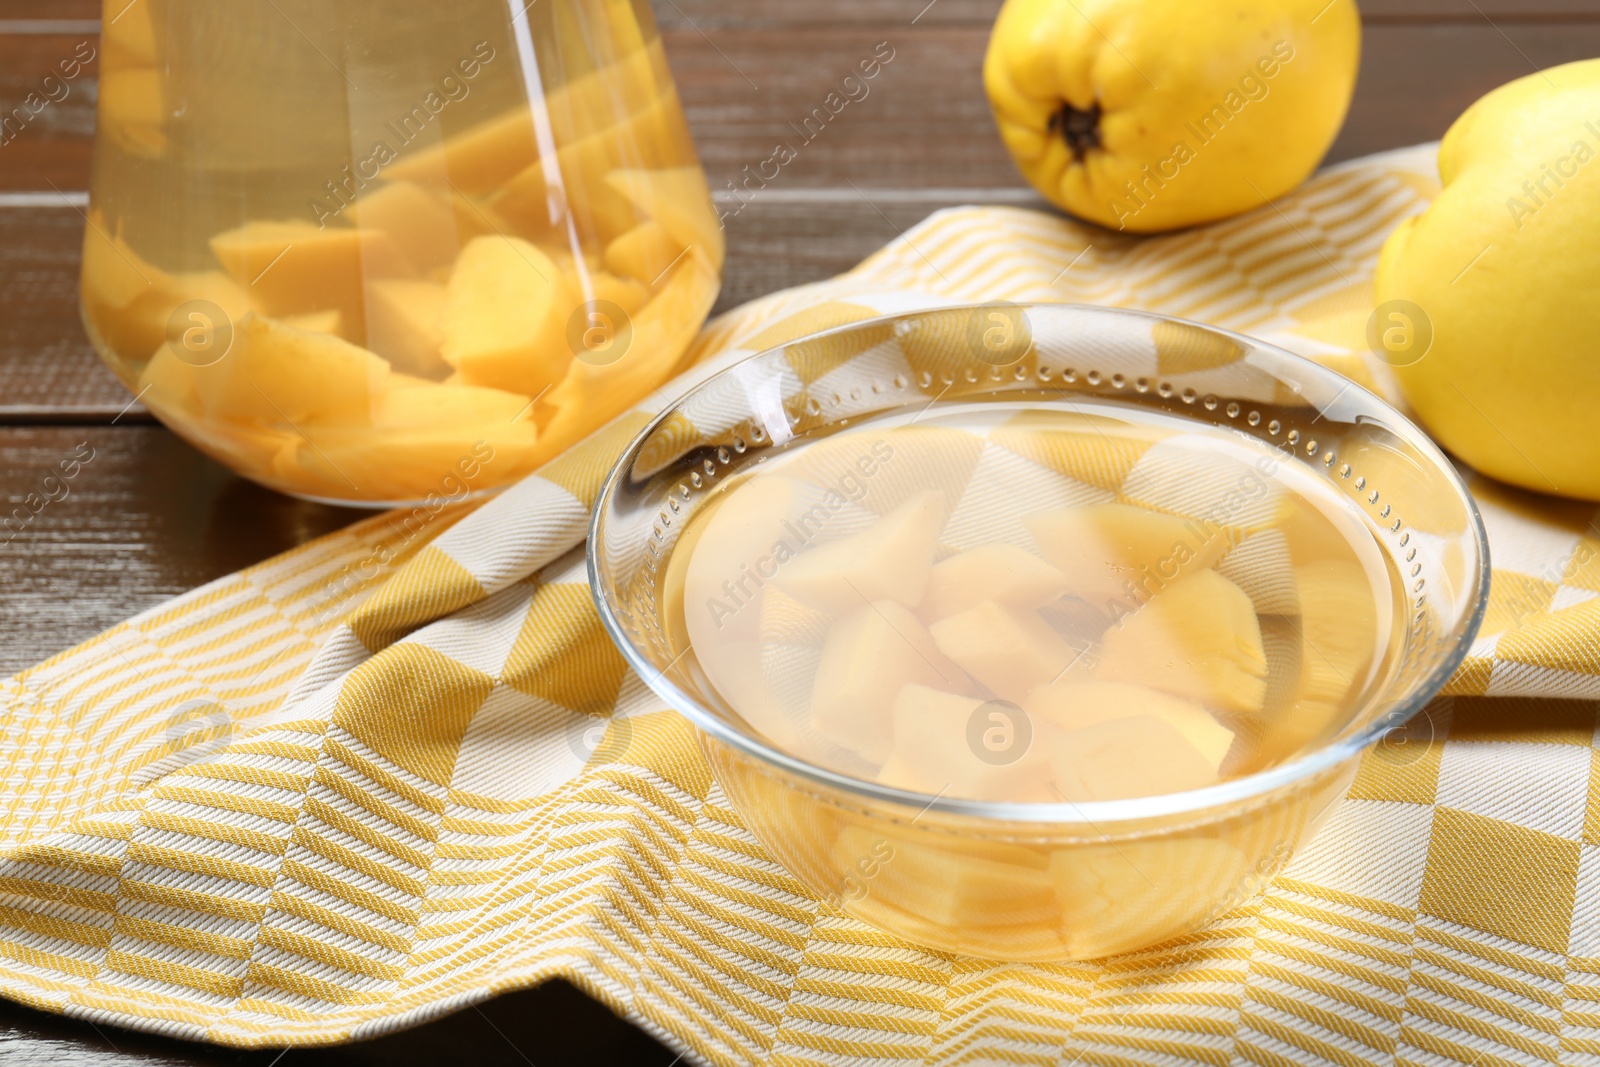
<point>1039,881</point>
<point>399,252</point>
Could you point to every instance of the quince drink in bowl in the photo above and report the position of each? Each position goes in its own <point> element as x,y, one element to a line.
<point>1043,649</point>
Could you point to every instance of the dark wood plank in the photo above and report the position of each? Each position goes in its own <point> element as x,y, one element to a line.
<point>146,518</point>
<point>47,366</point>
<point>52,9</point>
<point>49,127</point>
<point>553,1025</point>
<point>778,242</point>
<point>1507,11</point>
<point>1416,79</point>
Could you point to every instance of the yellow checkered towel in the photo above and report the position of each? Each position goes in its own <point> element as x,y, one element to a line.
<point>401,769</point>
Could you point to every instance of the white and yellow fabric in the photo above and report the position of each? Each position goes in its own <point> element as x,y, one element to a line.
<point>401,769</point>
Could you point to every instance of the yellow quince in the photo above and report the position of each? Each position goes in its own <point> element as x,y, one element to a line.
<point>1151,115</point>
<point>1500,271</point>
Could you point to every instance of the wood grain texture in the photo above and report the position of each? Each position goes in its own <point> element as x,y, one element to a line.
<point>48,127</point>
<point>146,518</point>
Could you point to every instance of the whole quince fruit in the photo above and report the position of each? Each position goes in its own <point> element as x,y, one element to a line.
<point>1150,115</point>
<point>1503,269</point>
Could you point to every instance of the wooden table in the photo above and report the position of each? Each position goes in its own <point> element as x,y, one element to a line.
<point>150,518</point>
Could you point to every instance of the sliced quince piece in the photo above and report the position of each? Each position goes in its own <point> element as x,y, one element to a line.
<point>114,275</point>
<point>677,198</point>
<point>1197,638</point>
<point>133,109</point>
<point>1073,705</point>
<point>530,205</point>
<point>330,321</point>
<point>1124,895</point>
<point>1339,635</point>
<point>475,161</point>
<point>143,326</point>
<point>787,621</point>
<point>1130,756</point>
<point>644,253</point>
<point>421,222</point>
<point>890,560</point>
<point>405,324</point>
<point>626,293</point>
<point>868,657</point>
<point>743,526</point>
<point>463,409</point>
<point>1010,576</point>
<point>1118,553</point>
<point>1011,652</point>
<point>170,383</point>
<point>955,886</point>
<point>277,373</point>
<point>291,268</point>
<point>933,753</point>
<point>590,395</point>
<point>505,316</point>
<point>128,38</point>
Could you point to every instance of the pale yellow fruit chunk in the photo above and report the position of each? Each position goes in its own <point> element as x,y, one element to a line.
<point>421,222</point>
<point>425,438</point>
<point>277,373</point>
<point>1132,756</point>
<point>933,752</point>
<point>530,203</point>
<point>959,886</point>
<point>476,161</point>
<point>643,253</point>
<point>133,109</point>
<point>170,384</point>
<point>890,560</point>
<point>1010,652</point>
<point>741,528</point>
<point>143,326</point>
<point>405,324</point>
<point>463,410</point>
<point>626,293</point>
<point>590,395</point>
<point>481,159</point>
<point>1118,553</point>
<point>1338,633</point>
<point>677,198</point>
<point>1073,705</point>
<point>505,316</point>
<point>291,268</point>
<point>128,38</point>
<point>330,321</point>
<point>1122,896</point>
<point>1198,638</point>
<point>1010,576</point>
<point>870,655</point>
<point>114,275</point>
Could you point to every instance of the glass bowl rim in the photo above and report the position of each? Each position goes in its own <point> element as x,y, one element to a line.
<point>1091,815</point>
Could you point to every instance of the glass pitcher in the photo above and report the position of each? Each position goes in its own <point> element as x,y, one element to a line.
<point>380,252</point>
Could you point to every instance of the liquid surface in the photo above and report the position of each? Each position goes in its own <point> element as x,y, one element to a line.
<point>1036,605</point>
<point>372,252</point>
